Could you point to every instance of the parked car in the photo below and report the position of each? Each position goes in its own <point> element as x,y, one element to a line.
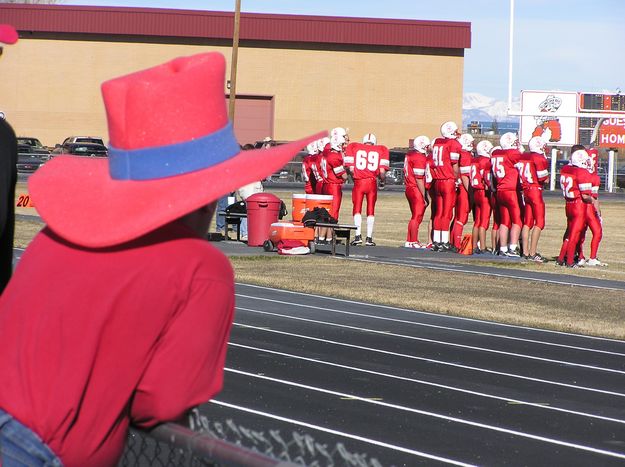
<point>84,149</point>
<point>84,139</point>
<point>31,154</point>
<point>395,174</point>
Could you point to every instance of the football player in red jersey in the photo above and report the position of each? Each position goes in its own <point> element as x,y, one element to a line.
<point>463,206</point>
<point>507,177</point>
<point>479,178</point>
<point>333,170</point>
<point>445,157</point>
<point>533,173</point>
<point>308,167</point>
<point>415,164</point>
<point>593,215</point>
<point>366,162</point>
<point>323,146</point>
<point>576,184</point>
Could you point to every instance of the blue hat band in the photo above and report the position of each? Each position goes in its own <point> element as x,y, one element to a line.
<point>175,159</point>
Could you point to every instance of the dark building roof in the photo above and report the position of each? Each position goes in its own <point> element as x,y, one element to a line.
<point>148,22</point>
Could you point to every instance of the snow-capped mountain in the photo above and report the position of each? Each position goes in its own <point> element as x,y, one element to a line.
<point>481,108</point>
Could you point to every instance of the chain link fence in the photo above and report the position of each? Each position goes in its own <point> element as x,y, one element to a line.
<point>227,443</point>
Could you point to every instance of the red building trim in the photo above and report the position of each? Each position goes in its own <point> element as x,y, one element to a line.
<point>118,21</point>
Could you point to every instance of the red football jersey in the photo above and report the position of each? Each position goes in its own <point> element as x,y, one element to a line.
<point>480,173</point>
<point>332,167</point>
<point>503,168</point>
<point>533,169</point>
<point>596,183</point>
<point>465,163</point>
<point>366,160</point>
<point>415,164</point>
<point>445,154</point>
<point>574,181</point>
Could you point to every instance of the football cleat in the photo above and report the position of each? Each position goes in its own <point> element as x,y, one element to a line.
<point>409,245</point>
<point>428,246</point>
<point>537,258</point>
<point>581,262</point>
<point>595,262</point>
<point>369,241</point>
<point>512,254</point>
<point>357,240</point>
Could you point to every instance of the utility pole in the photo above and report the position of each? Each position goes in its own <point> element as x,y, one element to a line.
<point>233,64</point>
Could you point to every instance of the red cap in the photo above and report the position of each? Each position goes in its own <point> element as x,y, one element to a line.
<point>8,34</point>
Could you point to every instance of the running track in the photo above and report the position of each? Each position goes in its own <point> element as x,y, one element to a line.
<point>413,388</point>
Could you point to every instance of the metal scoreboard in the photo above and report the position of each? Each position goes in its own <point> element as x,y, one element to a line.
<point>612,130</point>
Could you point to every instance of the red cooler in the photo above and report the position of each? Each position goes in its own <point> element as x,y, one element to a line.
<point>263,210</point>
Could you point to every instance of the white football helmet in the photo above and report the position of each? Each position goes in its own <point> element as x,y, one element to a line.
<point>321,143</point>
<point>337,141</point>
<point>421,144</point>
<point>449,130</point>
<point>509,141</point>
<point>312,148</point>
<point>537,144</point>
<point>369,138</point>
<point>466,140</point>
<point>484,148</point>
<point>580,158</point>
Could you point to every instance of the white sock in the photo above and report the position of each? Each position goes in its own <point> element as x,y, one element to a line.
<point>445,236</point>
<point>370,221</point>
<point>357,222</point>
<point>513,246</point>
<point>436,237</point>
<point>503,249</point>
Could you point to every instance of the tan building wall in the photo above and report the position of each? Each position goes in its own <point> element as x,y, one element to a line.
<point>50,89</point>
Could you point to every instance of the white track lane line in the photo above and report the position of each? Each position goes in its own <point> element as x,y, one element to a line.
<point>484,273</point>
<point>462,421</point>
<point>450,328</point>
<point>307,295</point>
<point>431,360</point>
<point>429,383</point>
<point>341,433</point>
<point>434,341</point>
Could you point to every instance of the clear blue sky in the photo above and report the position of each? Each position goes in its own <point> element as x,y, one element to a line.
<point>570,45</point>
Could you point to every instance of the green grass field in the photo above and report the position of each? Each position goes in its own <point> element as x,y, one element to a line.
<point>557,307</point>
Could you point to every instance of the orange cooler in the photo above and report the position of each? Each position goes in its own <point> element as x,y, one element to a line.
<point>298,204</point>
<point>322,201</point>
<point>288,231</point>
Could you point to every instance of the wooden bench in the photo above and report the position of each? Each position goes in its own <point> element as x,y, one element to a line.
<point>338,231</point>
<point>232,219</point>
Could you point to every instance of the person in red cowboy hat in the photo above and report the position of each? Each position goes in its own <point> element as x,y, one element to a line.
<point>8,178</point>
<point>119,310</point>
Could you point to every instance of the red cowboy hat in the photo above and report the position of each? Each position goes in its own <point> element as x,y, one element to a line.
<point>172,150</point>
<point>8,34</point>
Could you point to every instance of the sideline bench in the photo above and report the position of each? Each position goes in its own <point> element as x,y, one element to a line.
<point>338,230</point>
<point>232,219</point>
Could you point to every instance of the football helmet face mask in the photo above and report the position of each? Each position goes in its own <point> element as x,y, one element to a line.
<point>537,144</point>
<point>369,138</point>
<point>466,140</point>
<point>580,158</point>
<point>449,130</point>
<point>421,144</point>
<point>509,141</point>
<point>484,148</point>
